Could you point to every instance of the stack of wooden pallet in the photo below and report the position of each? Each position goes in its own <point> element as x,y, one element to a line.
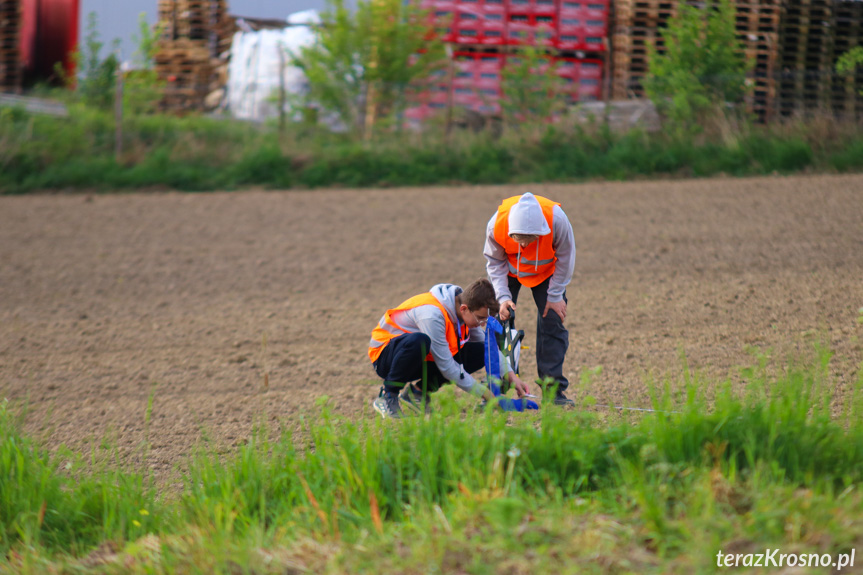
<point>195,36</point>
<point>847,26</point>
<point>806,52</point>
<point>10,58</point>
<point>638,25</point>
<point>636,29</point>
<point>757,26</point>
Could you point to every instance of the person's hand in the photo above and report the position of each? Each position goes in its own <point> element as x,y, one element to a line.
<point>520,387</point>
<point>504,309</point>
<point>559,308</point>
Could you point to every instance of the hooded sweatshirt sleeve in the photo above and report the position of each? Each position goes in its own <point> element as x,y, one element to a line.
<point>496,263</point>
<point>564,249</point>
<point>429,320</point>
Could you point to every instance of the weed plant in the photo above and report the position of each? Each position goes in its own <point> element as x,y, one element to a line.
<point>777,463</point>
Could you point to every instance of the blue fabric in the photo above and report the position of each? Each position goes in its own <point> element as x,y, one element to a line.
<point>492,358</point>
<point>508,404</point>
<point>494,370</point>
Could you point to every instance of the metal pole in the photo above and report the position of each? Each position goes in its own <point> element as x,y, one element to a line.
<point>118,115</point>
<point>609,62</point>
<point>213,21</point>
<point>449,54</point>
<point>282,93</point>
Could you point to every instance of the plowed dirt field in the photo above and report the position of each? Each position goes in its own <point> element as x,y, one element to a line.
<point>223,306</point>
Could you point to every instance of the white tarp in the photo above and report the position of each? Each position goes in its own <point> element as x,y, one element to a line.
<point>256,64</point>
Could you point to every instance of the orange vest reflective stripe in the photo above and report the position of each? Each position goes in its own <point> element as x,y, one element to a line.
<point>387,329</point>
<point>530,272</point>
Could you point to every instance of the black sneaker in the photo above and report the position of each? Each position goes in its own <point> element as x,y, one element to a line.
<point>414,398</point>
<point>387,404</point>
<point>561,400</point>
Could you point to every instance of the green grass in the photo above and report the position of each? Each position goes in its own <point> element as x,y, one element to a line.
<point>197,153</point>
<point>776,463</point>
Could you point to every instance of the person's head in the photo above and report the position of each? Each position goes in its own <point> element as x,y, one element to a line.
<point>524,240</point>
<point>526,221</point>
<point>476,303</point>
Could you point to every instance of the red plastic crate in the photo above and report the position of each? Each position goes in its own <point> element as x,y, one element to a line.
<point>581,27</point>
<point>531,30</point>
<point>534,6</point>
<point>583,77</point>
<point>567,68</point>
<point>480,71</point>
<point>595,9</point>
<point>438,96</point>
<point>433,5</point>
<point>571,8</point>
<point>494,6</point>
<point>474,25</point>
<point>590,69</point>
<point>441,18</point>
<point>544,6</point>
<point>419,113</point>
<point>595,33</point>
<point>570,32</point>
<point>490,63</point>
<point>590,80</point>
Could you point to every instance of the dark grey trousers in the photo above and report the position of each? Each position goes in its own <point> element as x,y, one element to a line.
<point>552,338</point>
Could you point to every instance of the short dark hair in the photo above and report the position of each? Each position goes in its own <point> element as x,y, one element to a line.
<point>481,294</point>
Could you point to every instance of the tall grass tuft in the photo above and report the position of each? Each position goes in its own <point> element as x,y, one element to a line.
<point>65,502</point>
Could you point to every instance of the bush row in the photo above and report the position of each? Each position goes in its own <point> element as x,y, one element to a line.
<point>197,154</point>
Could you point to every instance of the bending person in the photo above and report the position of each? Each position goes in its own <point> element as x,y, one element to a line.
<point>529,243</point>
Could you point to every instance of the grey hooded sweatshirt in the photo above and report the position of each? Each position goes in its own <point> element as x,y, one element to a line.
<point>526,218</point>
<point>429,320</point>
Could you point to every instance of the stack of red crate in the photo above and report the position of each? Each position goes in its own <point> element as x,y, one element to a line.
<point>474,84</point>
<point>484,33</point>
<point>583,25</point>
<point>532,23</point>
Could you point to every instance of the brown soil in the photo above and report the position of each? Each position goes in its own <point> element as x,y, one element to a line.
<point>199,299</point>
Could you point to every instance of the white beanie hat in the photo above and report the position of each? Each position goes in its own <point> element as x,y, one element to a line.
<point>526,217</point>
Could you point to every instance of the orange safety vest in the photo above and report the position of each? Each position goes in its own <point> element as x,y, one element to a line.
<point>387,329</point>
<point>529,272</point>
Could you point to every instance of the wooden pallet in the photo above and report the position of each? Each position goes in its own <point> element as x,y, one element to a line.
<point>196,33</point>
<point>10,56</point>
<point>806,52</point>
<point>847,27</point>
<point>205,21</point>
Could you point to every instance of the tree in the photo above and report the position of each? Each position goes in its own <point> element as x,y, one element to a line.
<point>98,76</point>
<point>375,52</point>
<point>703,65</point>
<point>848,62</point>
<point>143,88</point>
<point>531,88</point>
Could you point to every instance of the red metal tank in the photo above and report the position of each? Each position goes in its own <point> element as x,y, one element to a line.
<point>49,34</point>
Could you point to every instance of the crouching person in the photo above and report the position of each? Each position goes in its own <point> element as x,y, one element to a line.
<point>433,339</point>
